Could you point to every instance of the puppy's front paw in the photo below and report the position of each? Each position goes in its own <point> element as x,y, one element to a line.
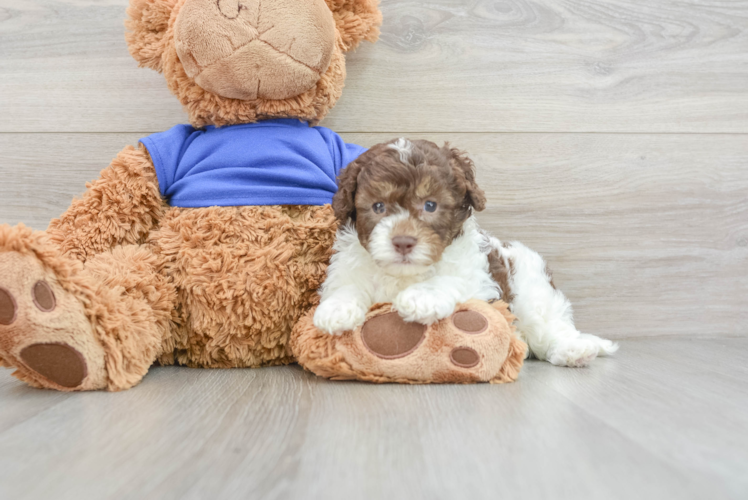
<point>337,316</point>
<point>418,306</point>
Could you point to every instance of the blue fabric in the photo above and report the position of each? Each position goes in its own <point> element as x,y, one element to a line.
<point>273,162</point>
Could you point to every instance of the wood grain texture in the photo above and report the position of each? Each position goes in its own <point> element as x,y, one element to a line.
<point>657,421</point>
<point>644,220</point>
<point>441,65</point>
<point>647,234</point>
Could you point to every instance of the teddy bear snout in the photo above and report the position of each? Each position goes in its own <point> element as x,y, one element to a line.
<point>253,49</point>
<point>229,8</point>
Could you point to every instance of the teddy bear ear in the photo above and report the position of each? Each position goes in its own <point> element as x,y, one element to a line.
<point>147,21</point>
<point>356,20</point>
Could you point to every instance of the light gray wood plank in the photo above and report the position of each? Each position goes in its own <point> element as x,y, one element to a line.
<point>506,438</point>
<point>700,354</point>
<point>41,173</point>
<point>441,65</point>
<point>696,409</point>
<point>18,404</point>
<point>66,68</point>
<point>638,425</point>
<point>648,235</point>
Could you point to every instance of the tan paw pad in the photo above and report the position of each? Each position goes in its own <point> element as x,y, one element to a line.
<point>470,322</point>
<point>8,307</point>
<point>464,357</point>
<point>389,337</point>
<point>43,297</point>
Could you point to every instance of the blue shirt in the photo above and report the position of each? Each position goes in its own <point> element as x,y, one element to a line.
<point>273,162</point>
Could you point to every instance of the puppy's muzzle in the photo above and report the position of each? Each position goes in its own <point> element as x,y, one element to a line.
<point>404,244</point>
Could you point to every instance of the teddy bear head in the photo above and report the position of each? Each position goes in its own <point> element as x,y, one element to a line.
<point>239,61</point>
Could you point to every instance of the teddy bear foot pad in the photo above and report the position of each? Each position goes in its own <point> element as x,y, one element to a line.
<point>476,344</point>
<point>390,337</point>
<point>43,328</point>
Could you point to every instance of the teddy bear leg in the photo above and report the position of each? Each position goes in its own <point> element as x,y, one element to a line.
<point>45,333</point>
<point>70,328</point>
<point>477,343</point>
<point>135,314</point>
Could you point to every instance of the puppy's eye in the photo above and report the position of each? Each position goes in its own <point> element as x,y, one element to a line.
<point>378,207</point>
<point>430,206</point>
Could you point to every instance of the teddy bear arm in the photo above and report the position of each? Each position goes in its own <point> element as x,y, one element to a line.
<point>120,207</point>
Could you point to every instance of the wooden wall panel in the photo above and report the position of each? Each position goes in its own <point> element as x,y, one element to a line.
<point>441,66</point>
<point>648,234</point>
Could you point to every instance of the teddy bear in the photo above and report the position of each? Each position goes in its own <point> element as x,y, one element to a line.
<point>205,244</point>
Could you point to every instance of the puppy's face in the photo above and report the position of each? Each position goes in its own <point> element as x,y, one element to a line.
<point>408,200</point>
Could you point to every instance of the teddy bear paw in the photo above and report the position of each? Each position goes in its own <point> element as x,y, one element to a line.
<point>389,336</point>
<point>44,332</point>
<point>475,343</point>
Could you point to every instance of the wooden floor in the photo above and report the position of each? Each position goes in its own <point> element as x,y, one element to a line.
<point>610,135</point>
<point>665,418</point>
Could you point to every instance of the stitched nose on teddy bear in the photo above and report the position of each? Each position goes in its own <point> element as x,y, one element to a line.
<point>250,49</point>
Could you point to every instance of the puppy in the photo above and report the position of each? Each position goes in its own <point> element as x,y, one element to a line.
<point>408,236</point>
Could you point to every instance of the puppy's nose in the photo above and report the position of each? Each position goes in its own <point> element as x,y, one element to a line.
<point>404,244</point>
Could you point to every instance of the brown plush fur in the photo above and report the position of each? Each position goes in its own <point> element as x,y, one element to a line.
<point>134,316</point>
<point>147,22</point>
<point>345,357</point>
<point>357,20</point>
<point>119,208</point>
<point>151,42</point>
<point>106,312</point>
<point>244,276</point>
<point>138,281</point>
<point>267,50</point>
<point>217,287</point>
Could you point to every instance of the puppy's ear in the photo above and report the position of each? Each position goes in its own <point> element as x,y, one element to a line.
<point>356,20</point>
<point>464,170</point>
<point>344,201</point>
<point>147,21</point>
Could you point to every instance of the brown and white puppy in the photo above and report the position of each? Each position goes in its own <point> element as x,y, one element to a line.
<point>408,202</point>
<point>408,237</point>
